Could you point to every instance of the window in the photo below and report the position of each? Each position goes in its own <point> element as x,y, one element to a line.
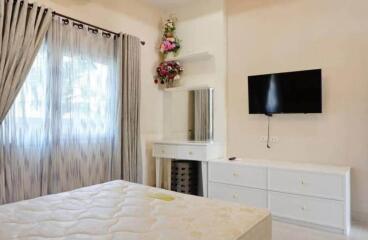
<point>76,100</point>
<point>85,97</point>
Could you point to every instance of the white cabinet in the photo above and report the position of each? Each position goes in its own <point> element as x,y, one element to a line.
<point>309,194</point>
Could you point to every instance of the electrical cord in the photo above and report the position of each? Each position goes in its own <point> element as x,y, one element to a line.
<point>268,132</point>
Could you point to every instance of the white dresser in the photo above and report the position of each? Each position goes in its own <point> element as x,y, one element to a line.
<point>186,150</point>
<point>308,194</point>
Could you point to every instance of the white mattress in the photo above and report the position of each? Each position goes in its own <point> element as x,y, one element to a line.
<point>124,211</point>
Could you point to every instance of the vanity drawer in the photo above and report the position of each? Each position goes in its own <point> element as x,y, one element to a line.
<point>164,151</point>
<point>191,152</point>
<point>186,152</point>
<point>249,196</point>
<point>307,183</point>
<point>238,174</point>
<point>308,209</point>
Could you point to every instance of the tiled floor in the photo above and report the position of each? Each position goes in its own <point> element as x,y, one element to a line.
<point>283,231</point>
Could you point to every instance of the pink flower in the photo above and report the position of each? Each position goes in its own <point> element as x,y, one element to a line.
<point>168,44</point>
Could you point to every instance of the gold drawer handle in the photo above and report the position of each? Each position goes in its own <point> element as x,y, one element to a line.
<point>190,153</point>
<point>235,196</point>
<point>236,174</point>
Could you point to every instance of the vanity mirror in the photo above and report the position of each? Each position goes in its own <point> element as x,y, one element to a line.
<point>188,114</point>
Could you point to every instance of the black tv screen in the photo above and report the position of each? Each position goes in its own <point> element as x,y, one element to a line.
<point>289,92</point>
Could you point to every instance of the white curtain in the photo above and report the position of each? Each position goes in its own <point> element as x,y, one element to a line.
<point>61,132</point>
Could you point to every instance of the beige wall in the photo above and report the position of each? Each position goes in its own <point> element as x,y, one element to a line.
<point>142,20</point>
<point>202,27</point>
<point>266,36</point>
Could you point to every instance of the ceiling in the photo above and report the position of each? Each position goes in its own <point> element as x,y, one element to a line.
<point>164,4</point>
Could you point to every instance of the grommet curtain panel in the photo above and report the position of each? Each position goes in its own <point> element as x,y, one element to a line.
<point>22,30</point>
<point>130,48</point>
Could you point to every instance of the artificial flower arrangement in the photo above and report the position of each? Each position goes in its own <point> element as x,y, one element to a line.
<point>168,72</point>
<point>170,43</point>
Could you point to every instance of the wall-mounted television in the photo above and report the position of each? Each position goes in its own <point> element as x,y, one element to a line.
<point>288,92</point>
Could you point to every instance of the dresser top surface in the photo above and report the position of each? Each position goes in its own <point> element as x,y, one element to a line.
<point>301,166</point>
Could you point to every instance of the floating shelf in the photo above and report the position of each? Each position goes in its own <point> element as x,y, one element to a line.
<point>198,56</point>
<point>188,88</point>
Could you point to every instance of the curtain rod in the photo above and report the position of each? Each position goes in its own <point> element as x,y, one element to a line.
<point>84,23</point>
<point>88,24</point>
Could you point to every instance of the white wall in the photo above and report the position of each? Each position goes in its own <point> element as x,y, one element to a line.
<point>142,20</point>
<point>267,36</point>
<point>202,27</point>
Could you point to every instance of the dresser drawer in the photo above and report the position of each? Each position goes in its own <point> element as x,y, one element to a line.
<point>308,209</point>
<point>249,196</point>
<point>238,174</point>
<point>307,183</point>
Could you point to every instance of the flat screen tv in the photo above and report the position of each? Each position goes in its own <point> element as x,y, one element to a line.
<point>289,92</point>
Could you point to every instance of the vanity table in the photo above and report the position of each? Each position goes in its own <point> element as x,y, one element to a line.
<point>189,136</point>
<point>186,150</point>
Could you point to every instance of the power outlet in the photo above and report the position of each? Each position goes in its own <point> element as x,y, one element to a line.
<point>273,139</point>
<point>263,139</point>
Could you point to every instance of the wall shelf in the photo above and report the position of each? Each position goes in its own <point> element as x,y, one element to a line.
<point>186,88</point>
<point>198,56</point>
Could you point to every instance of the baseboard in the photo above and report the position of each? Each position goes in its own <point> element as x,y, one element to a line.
<point>310,225</point>
<point>361,217</point>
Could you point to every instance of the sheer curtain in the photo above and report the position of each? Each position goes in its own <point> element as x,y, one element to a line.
<point>61,132</point>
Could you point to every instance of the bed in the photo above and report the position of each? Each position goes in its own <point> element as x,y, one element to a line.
<point>121,210</point>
